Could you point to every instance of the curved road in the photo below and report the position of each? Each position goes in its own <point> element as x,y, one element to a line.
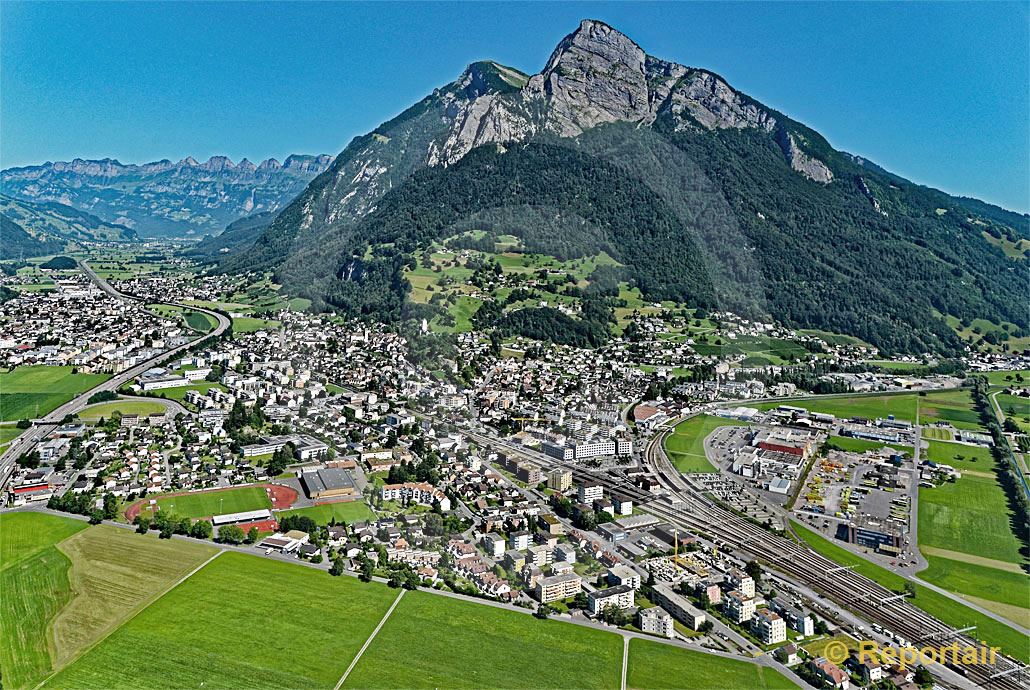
<point>44,425</point>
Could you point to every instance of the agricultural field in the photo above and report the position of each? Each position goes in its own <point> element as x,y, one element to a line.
<point>1015,408</point>
<point>970,516</point>
<point>345,511</point>
<point>563,655</point>
<point>122,407</point>
<point>114,573</point>
<point>656,666</point>
<point>240,621</point>
<point>954,407</point>
<point>955,614</point>
<point>29,392</point>
<point>250,324</point>
<point>961,456</point>
<point>996,586</point>
<point>35,587</point>
<point>195,320</point>
<point>861,445</point>
<point>8,433</point>
<point>208,503</point>
<point>1003,379</point>
<point>685,445</point>
<point>902,406</point>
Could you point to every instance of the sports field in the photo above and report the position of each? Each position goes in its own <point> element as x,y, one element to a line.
<point>955,614</point>
<point>655,666</point>
<point>209,503</point>
<point>954,407</point>
<point>34,586</point>
<point>33,391</point>
<point>242,622</point>
<point>902,406</point>
<point>685,445</point>
<point>477,646</point>
<point>123,407</point>
<point>348,511</point>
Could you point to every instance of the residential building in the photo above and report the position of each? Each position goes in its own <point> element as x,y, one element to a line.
<point>769,627</point>
<point>557,587</point>
<point>620,596</point>
<point>656,621</point>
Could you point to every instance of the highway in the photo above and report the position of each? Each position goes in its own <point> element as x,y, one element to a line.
<point>43,426</point>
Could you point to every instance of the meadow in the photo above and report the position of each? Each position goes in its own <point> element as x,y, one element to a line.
<point>29,392</point>
<point>861,445</point>
<point>954,613</point>
<point>8,433</point>
<point>122,407</point>
<point>345,511</point>
<point>971,516</point>
<point>902,406</point>
<point>953,407</point>
<point>1017,408</point>
<point>960,456</point>
<point>209,503</point>
<point>114,573</point>
<point>250,324</point>
<point>656,666</point>
<point>511,650</point>
<point>1003,591</point>
<point>685,445</point>
<point>240,622</point>
<point>34,585</point>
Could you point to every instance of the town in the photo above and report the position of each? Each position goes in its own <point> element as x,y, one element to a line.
<point>535,477</point>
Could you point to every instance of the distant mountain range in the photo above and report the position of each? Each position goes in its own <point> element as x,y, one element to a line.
<point>701,193</point>
<point>35,229</point>
<point>166,198</point>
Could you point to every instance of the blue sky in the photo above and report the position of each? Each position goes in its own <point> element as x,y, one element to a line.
<point>937,92</point>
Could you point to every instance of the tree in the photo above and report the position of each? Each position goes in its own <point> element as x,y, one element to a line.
<point>366,570</point>
<point>142,524</point>
<point>231,534</point>
<point>201,529</point>
<point>923,677</point>
<point>110,506</point>
<point>96,517</point>
<point>754,569</point>
<point>281,459</point>
<point>542,611</point>
<point>706,626</point>
<point>337,567</point>
<point>252,535</point>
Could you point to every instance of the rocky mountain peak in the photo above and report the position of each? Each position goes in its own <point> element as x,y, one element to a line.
<point>218,163</point>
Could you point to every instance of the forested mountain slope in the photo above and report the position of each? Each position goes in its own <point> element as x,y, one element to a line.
<point>703,196</point>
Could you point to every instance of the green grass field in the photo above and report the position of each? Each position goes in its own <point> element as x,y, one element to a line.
<point>250,324</point>
<point>970,515</point>
<point>34,391</point>
<point>349,511</point>
<point>428,641</point>
<point>34,587</point>
<point>1010,589</point>
<point>954,613</point>
<point>656,666</point>
<point>954,407</point>
<point>902,406</point>
<point>685,446</point>
<point>199,321</point>
<point>1016,408</point>
<point>860,445</point>
<point>960,456</point>
<point>123,407</point>
<point>8,433</point>
<point>209,503</point>
<point>1008,378</point>
<point>179,393</point>
<point>240,622</point>
<point>114,573</point>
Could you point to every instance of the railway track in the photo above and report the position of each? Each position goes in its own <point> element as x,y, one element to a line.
<point>692,511</point>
